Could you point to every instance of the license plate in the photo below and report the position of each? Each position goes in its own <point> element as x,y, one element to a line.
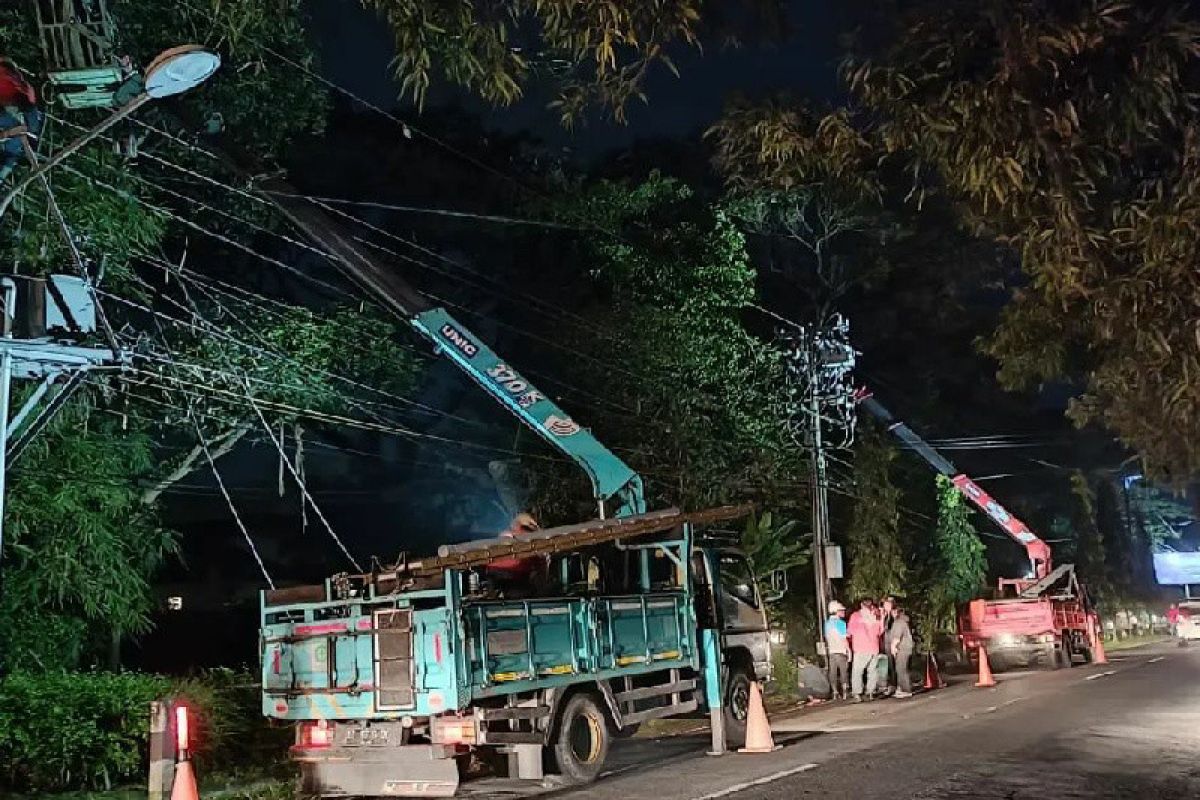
<point>365,736</point>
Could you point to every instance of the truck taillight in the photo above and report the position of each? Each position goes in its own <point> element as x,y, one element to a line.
<point>453,730</point>
<point>316,734</point>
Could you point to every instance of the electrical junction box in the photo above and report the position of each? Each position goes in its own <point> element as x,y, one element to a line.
<point>833,562</point>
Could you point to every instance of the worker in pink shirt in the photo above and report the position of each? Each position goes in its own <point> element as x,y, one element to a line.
<point>865,630</point>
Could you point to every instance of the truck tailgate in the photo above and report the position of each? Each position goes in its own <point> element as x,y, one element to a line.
<point>358,667</point>
<point>986,619</point>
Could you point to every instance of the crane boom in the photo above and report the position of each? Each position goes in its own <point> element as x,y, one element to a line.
<point>617,489</point>
<point>1036,549</point>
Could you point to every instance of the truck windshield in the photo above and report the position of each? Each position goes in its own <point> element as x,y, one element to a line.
<point>737,581</point>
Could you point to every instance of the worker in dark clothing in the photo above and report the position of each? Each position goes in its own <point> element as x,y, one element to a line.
<point>19,115</point>
<point>900,642</point>
<point>887,664</point>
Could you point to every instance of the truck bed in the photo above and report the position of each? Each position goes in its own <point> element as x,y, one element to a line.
<point>426,652</point>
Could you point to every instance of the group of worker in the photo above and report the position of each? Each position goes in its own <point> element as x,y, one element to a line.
<point>875,643</point>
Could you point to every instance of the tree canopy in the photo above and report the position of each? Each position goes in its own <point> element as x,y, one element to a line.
<point>876,553</point>
<point>1063,130</point>
<point>591,54</point>
<point>696,401</point>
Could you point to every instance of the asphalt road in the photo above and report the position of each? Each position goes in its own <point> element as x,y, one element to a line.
<point>1130,729</point>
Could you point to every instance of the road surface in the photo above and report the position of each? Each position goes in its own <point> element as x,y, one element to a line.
<point>1129,729</point>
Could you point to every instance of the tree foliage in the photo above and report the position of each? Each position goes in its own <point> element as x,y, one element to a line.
<point>877,558</point>
<point>698,404</point>
<point>772,545</point>
<point>957,567</point>
<point>1088,544</point>
<point>1066,130</point>
<point>962,567</point>
<point>596,52</point>
<point>79,542</point>
<point>86,532</point>
<point>1117,538</point>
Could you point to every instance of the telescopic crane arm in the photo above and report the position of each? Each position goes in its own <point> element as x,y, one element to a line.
<point>618,490</point>
<point>1037,550</point>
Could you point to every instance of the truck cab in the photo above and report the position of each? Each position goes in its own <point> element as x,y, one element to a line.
<point>730,600</point>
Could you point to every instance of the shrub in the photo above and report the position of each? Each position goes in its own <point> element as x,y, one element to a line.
<point>91,730</point>
<point>70,730</point>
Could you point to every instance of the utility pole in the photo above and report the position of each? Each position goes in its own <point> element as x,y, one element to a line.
<point>820,512</point>
<point>819,361</point>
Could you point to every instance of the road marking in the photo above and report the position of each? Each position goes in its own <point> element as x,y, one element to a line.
<point>751,784</point>
<point>1156,659</point>
<point>1100,675</point>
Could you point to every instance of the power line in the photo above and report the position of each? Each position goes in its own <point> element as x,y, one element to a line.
<point>547,306</point>
<point>207,232</point>
<point>299,481</point>
<point>441,212</point>
<point>499,289</point>
<point>212,465</point>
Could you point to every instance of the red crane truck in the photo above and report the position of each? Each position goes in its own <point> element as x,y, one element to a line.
<point>1041,619</point>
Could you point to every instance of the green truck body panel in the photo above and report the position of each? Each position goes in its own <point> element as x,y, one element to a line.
<point>427,652</point>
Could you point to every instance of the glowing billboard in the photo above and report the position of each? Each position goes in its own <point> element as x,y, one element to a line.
<point>1177,569</point>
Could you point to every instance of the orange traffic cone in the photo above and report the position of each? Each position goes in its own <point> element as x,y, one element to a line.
<point>985,670</point>
<point>758,729</point>
<point>1098,655</point>
<point>184,787</point>
<point>933,676</point>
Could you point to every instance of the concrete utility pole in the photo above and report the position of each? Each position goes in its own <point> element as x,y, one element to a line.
<point>820,360</point>
<point>820,511</point>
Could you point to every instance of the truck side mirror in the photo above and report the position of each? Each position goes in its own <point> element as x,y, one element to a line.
<point>777,586</point>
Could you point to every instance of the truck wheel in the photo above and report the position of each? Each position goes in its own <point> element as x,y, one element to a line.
<point>1053,657</point>
<point>737,705</point>
<point>581,745</point>
<point>1065,652</point>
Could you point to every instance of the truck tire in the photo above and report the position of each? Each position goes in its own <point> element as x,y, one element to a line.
<point>1052,657</point>
<point>581,744</point>
<point>737,704</point>
<point>1066,651</point>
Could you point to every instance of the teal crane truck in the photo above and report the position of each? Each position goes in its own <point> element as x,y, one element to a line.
<point>391,678</point>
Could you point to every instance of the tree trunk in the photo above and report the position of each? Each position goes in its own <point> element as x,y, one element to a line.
<point>188,464</point>
<point>114,650</point>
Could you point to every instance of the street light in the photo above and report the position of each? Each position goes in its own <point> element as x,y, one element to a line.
<point>173,72</point>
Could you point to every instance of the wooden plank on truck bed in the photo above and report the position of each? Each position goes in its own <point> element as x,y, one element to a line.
<point>549,541</point>
<point>567,537</point>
